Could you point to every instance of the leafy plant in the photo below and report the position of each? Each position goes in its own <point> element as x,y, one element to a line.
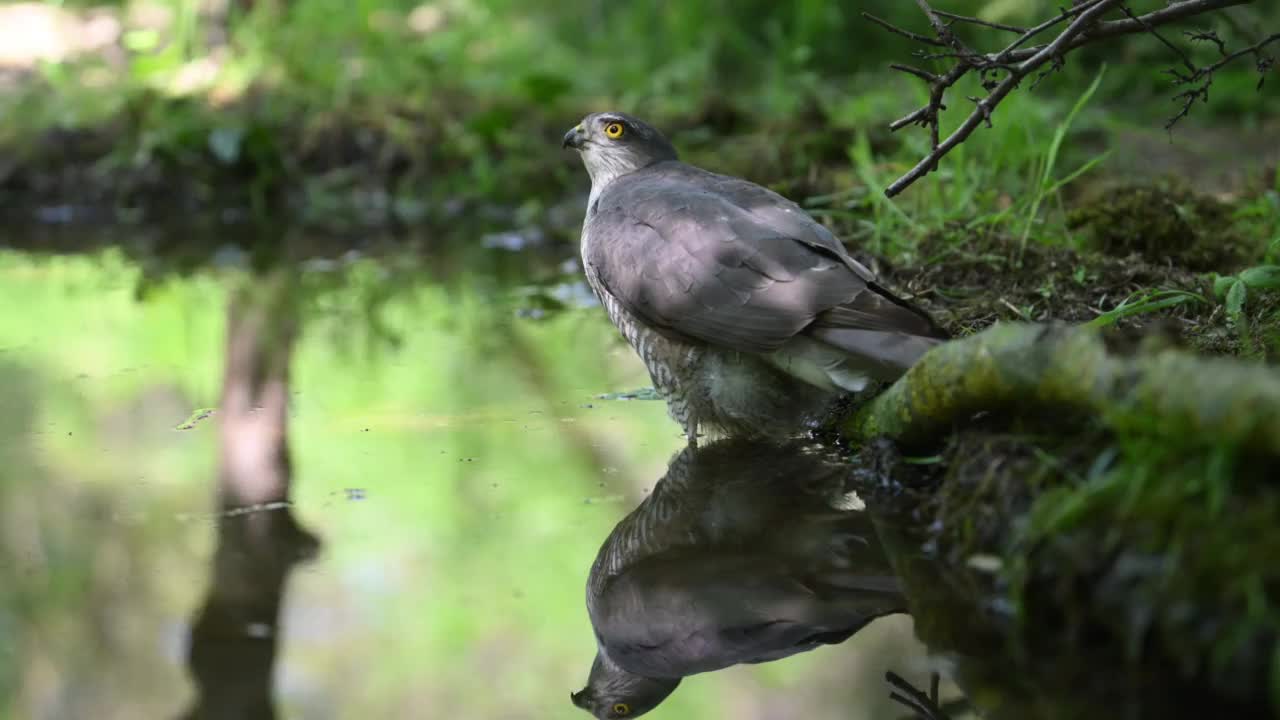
<point>1234,289</point>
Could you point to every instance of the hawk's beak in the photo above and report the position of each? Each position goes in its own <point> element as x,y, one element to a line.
<point>574,138</point>
<point>580,698</point>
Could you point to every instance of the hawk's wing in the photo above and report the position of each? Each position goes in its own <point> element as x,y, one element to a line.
<point>727,262</point>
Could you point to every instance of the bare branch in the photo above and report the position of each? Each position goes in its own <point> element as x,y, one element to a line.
<point>985,105</point>
<point>1204,75</point>
<point>940,55</point>
<point>1008,53</point>
<point>1173,12</point>
<point>1016,61</point>
<point>1177,10</point>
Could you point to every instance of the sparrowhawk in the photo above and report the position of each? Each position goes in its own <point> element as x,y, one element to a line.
<point>749,315</point>
<point>745,552</point>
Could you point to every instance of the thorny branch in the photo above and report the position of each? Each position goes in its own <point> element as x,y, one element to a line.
<point>1202,77</point>
<point>1001,72</point>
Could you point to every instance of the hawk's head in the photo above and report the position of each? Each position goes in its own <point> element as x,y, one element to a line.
<point>613,693</point>
<point>613,144</point>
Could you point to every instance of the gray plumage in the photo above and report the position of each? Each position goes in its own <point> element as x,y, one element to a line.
<point>744,552</point>
<point>749,315</point>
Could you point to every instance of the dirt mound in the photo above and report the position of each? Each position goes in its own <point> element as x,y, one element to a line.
<point>1163,222</point>
<point>971,285</point>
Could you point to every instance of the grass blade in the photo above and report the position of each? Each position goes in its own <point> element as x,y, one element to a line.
<point>1051,158</point>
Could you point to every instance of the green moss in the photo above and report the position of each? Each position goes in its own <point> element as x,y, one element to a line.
<point>1164,221</point>
<point>1055,369</point>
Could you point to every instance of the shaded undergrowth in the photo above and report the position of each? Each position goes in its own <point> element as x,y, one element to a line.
<point>1075,569</point>
<point>1076,549</point>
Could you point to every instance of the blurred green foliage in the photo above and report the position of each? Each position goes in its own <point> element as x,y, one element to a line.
<point>387,101</point>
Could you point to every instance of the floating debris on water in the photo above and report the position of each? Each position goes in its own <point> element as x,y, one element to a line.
<point>641,394</point>
<point>197,416</point>
<point>514,240</point>
<point>985,563</point>
<point>603,499</point>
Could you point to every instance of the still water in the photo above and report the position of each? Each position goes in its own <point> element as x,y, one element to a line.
<point>460,447</point>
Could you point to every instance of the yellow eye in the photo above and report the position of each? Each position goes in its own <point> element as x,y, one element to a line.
<point>614,131</point>
<point>620,708</point>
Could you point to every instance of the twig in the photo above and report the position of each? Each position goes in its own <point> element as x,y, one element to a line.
<point>1015,309</point>
<point>1207,36</point>
<point>1147,26</point>
<point>943,31</point>
<point>922,74</point>
<point>928,115</point>
<point>979,21</point>
<point>1254,48</point>
<point>1204,75</point>
<point>904,33</point>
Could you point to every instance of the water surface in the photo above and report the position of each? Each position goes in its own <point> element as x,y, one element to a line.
<point>451,454</point>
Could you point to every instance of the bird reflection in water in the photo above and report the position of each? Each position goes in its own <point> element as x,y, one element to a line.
<point>745,552</point>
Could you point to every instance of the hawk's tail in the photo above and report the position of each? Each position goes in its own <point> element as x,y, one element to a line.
<point>883,355</point>
<point>847,360</point>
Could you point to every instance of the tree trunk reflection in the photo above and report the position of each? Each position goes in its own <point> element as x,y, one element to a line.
<point>234,633</point>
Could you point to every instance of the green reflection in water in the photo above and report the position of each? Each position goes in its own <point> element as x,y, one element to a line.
<point>461,480</point>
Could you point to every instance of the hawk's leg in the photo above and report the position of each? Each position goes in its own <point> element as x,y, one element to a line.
<point>924,705</point>
<point>690,424</point>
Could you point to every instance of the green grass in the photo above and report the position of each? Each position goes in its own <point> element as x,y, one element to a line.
<point>1203,516</point>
